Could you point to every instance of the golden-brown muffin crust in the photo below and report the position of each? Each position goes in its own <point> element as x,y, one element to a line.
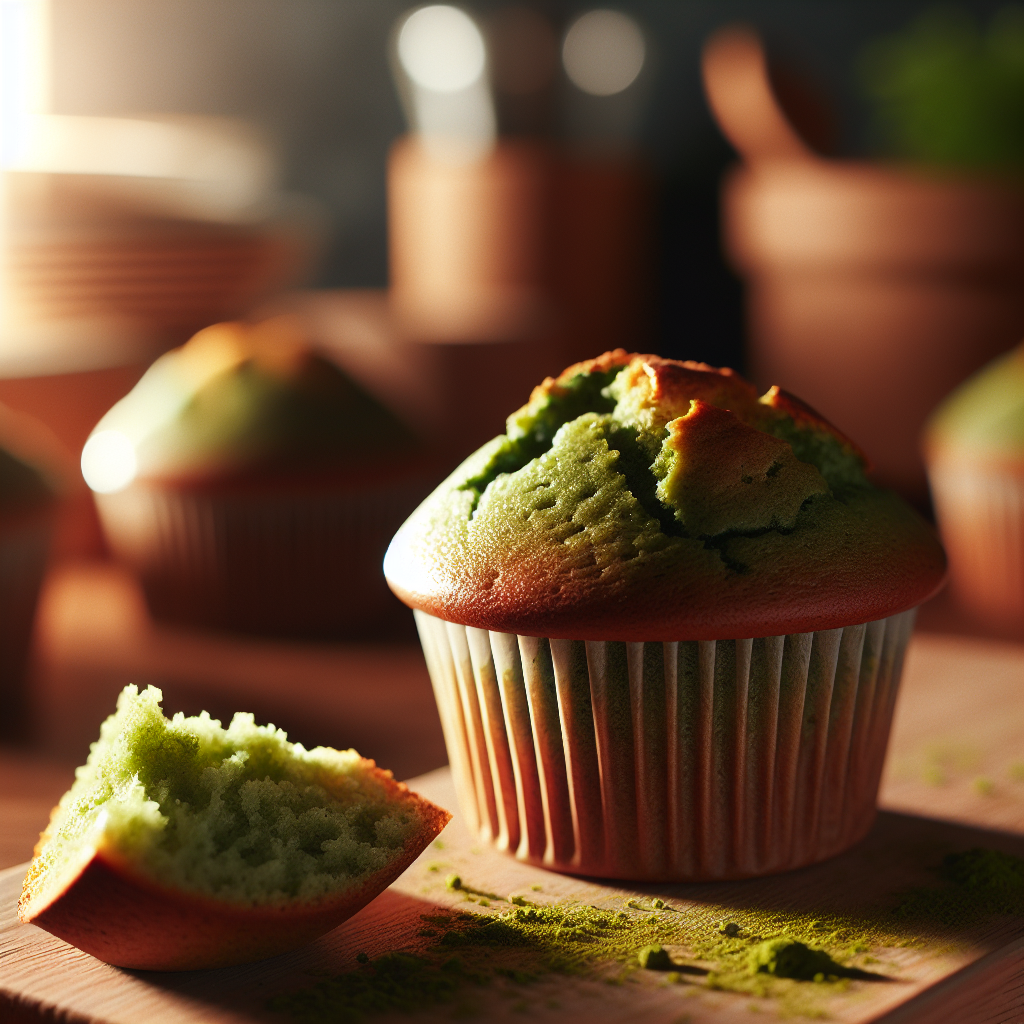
<point>639,498</point>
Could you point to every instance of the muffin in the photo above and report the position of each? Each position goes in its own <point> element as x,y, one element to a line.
<point>253,486</point>
<point>28,504</point>
<point>974,448</point>
<point>186,845</point>
<point>665,622</point>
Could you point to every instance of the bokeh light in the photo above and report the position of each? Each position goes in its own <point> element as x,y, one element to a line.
<point>108,461</point>
<point>603,52</point>
<point>441,48</point>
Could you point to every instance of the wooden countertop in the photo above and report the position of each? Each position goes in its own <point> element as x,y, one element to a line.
<point>955,774</point>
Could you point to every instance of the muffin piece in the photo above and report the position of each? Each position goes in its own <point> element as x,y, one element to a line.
<point>182,844</point>
<point>29,489</point>
<point>665,620</point>
<point>252,485</point>
<point>974,448</point>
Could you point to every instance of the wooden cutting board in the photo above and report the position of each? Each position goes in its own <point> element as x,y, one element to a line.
<point>956,975</point>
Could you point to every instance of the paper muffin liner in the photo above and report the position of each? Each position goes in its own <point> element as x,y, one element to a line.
<point>300,562</point>
<point>674,761</point>
<point>24,550</point>
<point>980,510</point>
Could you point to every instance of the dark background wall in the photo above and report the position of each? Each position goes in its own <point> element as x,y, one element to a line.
<point>313,74</point>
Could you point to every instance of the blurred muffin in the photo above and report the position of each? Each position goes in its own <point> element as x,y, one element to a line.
<point>28,505</point>
<point>252,485</point>
<point>974,447</point>
<point>665,620</point>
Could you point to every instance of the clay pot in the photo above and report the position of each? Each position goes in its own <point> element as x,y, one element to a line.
<point>467,239</point>
<point>507,266</point>
<point>603,243</point>
<point>874,291</point>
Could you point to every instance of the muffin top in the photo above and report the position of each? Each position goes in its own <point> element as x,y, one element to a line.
<point>984,418</point>
<point>238,400</point>
<point>639,498</point>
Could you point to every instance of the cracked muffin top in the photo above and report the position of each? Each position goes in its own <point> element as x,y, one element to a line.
<point>642,499</point>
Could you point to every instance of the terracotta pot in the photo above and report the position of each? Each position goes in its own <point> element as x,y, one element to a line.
<point>520,242</point>
<point>602,247</point>
<point>874,291</point>
<point>468,240</point>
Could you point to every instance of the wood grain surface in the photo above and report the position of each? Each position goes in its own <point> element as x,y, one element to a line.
<point>45,976</point>
<point>954,780</point>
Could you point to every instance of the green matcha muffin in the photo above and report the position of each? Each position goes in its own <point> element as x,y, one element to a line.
<point>252,485</point>
<point>29,489</point>
<point>665,621</point>
<point>974,449</point>
<point>183,844</point>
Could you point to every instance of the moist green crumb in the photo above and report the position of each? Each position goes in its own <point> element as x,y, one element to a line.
<point>794,958</point>
<point>239,814</point>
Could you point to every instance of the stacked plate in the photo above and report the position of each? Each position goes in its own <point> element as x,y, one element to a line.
<point>107,251</point>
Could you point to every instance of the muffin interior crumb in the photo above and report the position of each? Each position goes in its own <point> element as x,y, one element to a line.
<point>239,814</point>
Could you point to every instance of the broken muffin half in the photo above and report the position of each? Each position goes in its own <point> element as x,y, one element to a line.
<point>183,844</point>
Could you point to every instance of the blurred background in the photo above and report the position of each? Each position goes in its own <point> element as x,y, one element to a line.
<point>456,202</point>
<point>313,78</point>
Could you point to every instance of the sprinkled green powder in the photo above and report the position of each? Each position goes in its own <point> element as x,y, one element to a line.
<point>395,981</point>
<point>455,883</point>
<point>761,952</point>
<point>787,958</point>
<point>1000,876</point>
<point>654,958</point>
<point>984,882</point>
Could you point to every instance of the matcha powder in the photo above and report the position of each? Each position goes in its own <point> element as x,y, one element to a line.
<point>516,943</point>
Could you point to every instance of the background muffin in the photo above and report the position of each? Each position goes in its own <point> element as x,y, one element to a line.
<point>974,447</point>
<point>665,620</point>
<point>28,504</point>
<point>253,485</point>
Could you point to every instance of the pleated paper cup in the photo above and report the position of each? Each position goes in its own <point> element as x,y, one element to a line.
<point>302,561</point>
<point>980,510</point>
<point>679,761</point>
